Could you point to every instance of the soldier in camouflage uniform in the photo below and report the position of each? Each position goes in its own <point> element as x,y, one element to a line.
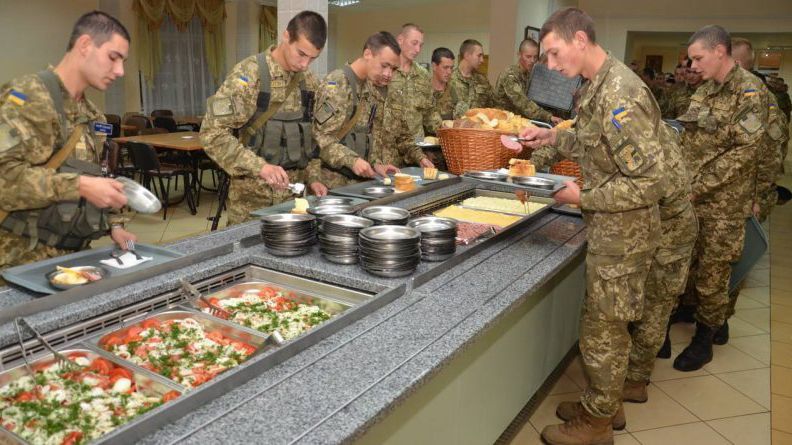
<point>725,125</point>
<point>679,96</point>
<point>442,69</point>
<point>350,126</point>
<point>410,89</point>
<point>266,157</point>
<point>38,113</point>
<point>469,88</point>
<point>512,86</point>
<point>616,141</point>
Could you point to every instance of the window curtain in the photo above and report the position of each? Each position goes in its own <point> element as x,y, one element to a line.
<point>268,27</point>
<point>151,14</point>
<point>183,81</point>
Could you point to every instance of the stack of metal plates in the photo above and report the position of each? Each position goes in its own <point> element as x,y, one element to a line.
<point>338,237</point>
<point>390,251</point>
<point>288,234</point>
<point>438,237</point>
<point>383,215</point>
<point>331,209</point>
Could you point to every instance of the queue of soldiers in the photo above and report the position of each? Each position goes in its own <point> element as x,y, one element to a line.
<point>665,212</point>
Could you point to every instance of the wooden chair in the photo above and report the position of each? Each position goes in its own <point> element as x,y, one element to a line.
<point>162,113</point>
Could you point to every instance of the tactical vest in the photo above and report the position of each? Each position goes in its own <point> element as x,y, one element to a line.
<point>70,225</point>
<point>285,138</point>
<point>358,137</point>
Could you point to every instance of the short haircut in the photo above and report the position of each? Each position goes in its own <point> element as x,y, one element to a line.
<point>566,22</point>
<point>376,42</point>
<point>100,26</point>
<point>711,36</point>
<point>407,27</point>
<point>741,41</point>
<point>528,42</point>
<point>310,25</point>
<point>649,72</point>
<point>439,53</point>
<point>468,46</point>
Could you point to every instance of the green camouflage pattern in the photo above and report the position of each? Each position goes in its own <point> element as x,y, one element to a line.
<point>410,95</point>
<point>511,94</point>
<point>770,160</point>
<point>470,92</point>
<point>443,104</point>
<point>28,133</point>
<point>679,100</point>
<point>229,109</point>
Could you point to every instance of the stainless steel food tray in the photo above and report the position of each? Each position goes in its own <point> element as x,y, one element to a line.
<point>356,190</point>
<point>34,276</point>
<point>559,180</point>
<point>146,382</point>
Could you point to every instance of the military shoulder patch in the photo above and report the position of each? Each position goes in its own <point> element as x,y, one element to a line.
<point>618,116</point>
<point>243,80</point>
<point>220,107</point>
<point>324,112</point>
<point>9,137</point>
<point>17,97</point>
<point>331,84</point>
<point>750,92</point>
<point>750,122</point>
<point>629,156</point>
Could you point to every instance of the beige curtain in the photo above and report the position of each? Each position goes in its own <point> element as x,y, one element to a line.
<point>268,27</point>
<point>151,13</point>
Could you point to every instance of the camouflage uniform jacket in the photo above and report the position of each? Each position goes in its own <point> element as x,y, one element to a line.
<point>511,94</point>
<point>725,125</point>
<point>410,95</point>
<point>771,152</point>
<point>234,104</point>
<point>679,100</point>
<point>677,217</point>
<point>29,130</point>
<point>392,141</point>
<point>616,140</point>
<point>470,92</point>
<point>443,105</point>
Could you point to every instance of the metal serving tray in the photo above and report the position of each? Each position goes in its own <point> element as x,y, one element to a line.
<point>209,323</point>
<point>565,209</point>
<point>34,276</point>
<point>356,190</point>
<point>146,382</point>
<point>286,207</point>
<point>546,193</point>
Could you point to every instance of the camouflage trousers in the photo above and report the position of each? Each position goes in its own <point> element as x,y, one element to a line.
<point>248,194</point>
<point>720,243</point>
<point>614,297</point>
<point>16,250</point>
<point>665,283</point>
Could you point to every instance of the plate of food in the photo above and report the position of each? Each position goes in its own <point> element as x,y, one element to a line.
<point>68,277</point>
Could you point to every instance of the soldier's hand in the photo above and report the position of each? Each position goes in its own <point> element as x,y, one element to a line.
<point>363,168</point>
<point>555,120</point>
<point>568,195</point>
<point>536,137</point>
<point>318,189</point>
<point>102,192</point>
<point>385,169</point>
<point>426,163</point>
<point>275,176</point>
<point>120,236</point>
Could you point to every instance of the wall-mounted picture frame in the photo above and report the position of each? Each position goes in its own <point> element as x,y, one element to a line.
<point>532,33</point>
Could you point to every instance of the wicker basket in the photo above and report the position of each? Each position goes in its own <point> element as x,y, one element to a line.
<point>568,168</point>
<point>472,149</point>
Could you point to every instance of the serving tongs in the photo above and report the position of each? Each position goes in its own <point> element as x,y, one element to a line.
<point>523,196</point>
<point>62,360</point>
<point>274,339</point>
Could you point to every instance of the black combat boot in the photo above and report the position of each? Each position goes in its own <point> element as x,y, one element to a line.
<point>721,336</point>
<point>699,352</point>
<point>665,350</point>
<point>684,314</point>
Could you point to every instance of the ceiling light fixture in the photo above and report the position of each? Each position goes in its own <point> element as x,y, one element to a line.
<point>342,3</point>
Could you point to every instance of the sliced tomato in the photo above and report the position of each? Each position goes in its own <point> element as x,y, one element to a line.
<point>170,395</point>
<point>243,347</point>
<point>72,438</point>
<point>103,381</point>
<point>101,366</point>
<point>74,355</point>
<point>151,323</point>
<point>25,396</point>
<point>217,337</point>
<point>133,334</point>
<point>267,292</point>
<point>113,340</point>
<point>215,301</point>
<point>118,373</point>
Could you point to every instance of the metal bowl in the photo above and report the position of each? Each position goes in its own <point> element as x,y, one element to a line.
<point>331,209</point>
<point>378,191</point>
<point>287,218</point>
<point>533,181</point>
<point>139,198</point>
<point>432,224</point>
<point>492,176</point>
<point>390,233</point>
<point>383,213</point>
<point>332,200</point>
<point>351,221</point>
<point>101,271</point>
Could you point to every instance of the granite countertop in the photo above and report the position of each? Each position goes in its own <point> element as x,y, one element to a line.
<point>334,390</point>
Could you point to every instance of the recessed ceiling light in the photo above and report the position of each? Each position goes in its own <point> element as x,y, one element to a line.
<point>343,3</point>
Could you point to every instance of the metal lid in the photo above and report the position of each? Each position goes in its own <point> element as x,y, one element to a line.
<point>139,198</point>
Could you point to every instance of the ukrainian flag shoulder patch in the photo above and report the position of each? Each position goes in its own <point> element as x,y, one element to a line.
<point>750,92</point>
<point>243,80</point>
<point>618,115</point>
<point>17,97</point>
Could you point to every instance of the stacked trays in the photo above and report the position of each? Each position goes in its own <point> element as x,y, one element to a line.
<point>288,234</point>
<point>438,237</point>
<point>331,209</point>
<point>382,215</point>
<point>338,237</point>
<point>390,251</point>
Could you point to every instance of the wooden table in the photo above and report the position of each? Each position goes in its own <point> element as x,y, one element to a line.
<point>125,127</point>
<point>188,120</point>
<point>183,141</point>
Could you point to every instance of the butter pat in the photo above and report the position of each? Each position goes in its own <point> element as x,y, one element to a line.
<point>300,205</point>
